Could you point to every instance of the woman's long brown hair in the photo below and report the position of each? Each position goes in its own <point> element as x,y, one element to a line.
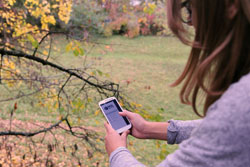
<point>220,52</point>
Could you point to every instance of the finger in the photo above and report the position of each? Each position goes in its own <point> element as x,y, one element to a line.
<point>108,127</point>
<point>126,113</point>
<point>125,134</point>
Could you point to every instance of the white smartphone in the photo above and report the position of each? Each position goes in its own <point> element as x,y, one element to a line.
<point>110,109</point>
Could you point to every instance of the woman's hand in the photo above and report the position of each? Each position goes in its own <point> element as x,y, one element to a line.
<point>113,140</point>
<point>139,124</point>
<point>143,129</point>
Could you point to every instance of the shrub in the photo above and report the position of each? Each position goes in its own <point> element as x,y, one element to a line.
<point>122,18</point>
<point>126,25</point>
<point>153,21</point>
<point>133,27</point>
<point>87,16</point>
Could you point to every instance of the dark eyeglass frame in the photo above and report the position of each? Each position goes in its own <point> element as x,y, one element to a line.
<point>186,4</point>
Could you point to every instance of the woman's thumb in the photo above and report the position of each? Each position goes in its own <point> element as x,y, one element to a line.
<point>126,113</point>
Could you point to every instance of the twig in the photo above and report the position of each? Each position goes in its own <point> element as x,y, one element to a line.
<point>1,65</point>
<point>44,37</point>
<point>20,96</point>
<point>61,89</point>
<point>50,45</point>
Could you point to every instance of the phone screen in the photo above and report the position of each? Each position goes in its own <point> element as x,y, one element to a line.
<point>111,110</point>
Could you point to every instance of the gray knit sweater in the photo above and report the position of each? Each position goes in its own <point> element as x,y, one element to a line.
<point>221,139</point>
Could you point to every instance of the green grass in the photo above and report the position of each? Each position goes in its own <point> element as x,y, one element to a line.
<point>147,61</point>
<point>144,62</point>
<point>149,64</point>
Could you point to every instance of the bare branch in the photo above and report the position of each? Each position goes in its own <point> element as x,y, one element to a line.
<point>1,65</point>
<point>61,89</point>
<point>50,46</point>
<point>29,134</point>
<point>21,95</point>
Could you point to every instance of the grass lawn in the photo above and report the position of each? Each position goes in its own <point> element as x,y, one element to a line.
<point>144,67</point>
<point>150,65</point>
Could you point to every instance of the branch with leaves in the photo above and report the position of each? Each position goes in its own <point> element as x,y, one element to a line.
<point>107,86</point>
<point>32,75</point>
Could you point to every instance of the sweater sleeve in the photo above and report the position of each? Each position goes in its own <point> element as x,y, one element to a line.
<point>121,157</point>
<point>179,131</point>
<point>221,139</point>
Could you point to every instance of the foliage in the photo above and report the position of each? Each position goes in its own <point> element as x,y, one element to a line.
<point>126,25</point>
<point>30,68</point>
<point>88,18</point>
<point>154,22</point>
<point>132,21</point>
<point>16,27</point>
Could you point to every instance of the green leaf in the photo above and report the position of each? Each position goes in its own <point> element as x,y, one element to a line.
<point>76,53</point>
<point>77,43</point>
<point>33,41</point>
<point>30,37</point>
<point>35,44</point>
<point>107,75</point>
<point>74,102</point>
<point>160,110</point>
<point>163,152</point>
<point>81,51</point>
<point>99,72</point>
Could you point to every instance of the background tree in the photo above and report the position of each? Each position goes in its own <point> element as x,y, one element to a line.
<point>30,68</point>
<point>35,75</point>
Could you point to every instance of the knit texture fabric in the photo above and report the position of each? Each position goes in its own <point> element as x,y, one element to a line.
<point>221,139</point>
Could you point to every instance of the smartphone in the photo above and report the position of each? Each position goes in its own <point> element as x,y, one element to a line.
<point>111,108</point>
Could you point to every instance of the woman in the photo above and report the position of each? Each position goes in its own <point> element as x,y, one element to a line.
<point>219,66</point>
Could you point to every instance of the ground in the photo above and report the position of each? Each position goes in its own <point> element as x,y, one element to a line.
<point>144,67</point>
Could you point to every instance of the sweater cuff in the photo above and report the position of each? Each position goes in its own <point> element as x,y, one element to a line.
<point>172,132</point>
<point>116,151</point>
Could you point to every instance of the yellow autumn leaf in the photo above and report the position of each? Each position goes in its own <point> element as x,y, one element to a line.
<point>11,2</point>
<point>45,52</point>
<point>65,10</point>
<point>78,120</point>
<point>121,104</point>
<point>55,6</point>
<point>97,112</point>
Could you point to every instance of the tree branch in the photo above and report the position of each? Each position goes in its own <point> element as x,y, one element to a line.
<point>60,68</point>
<point>29,134</point>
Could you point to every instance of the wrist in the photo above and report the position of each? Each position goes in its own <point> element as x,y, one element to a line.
<point>156,130</point>
<point>147,128</point>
